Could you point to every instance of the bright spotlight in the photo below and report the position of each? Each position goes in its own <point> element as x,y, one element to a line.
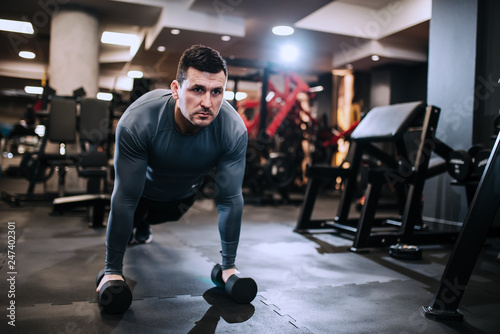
<point>135,74</point>
<point>289,53</point>
<point>283,30</point>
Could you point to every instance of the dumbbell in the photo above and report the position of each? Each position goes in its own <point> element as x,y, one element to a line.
<point>480,161</point>
<point>459,165</point>
<point>405,252</point>
<point>115,295</point>
<point>241,289</point>
<point>463,165</point>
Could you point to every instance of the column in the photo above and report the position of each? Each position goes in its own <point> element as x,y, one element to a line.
<point>74,52</point>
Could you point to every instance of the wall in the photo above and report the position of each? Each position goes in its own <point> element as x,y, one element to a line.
<point>397,83</point>
<point>451,80</point>
<point>487,91</point>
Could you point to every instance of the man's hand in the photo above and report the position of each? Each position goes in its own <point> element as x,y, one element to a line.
<point>228,273</point>
<point>109,278</point>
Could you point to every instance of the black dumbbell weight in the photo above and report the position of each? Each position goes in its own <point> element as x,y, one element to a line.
<point>405,252</point>
<point>480,161</point>
<point>241,289</point>
<point>459,165</point>
<point>115,295</point>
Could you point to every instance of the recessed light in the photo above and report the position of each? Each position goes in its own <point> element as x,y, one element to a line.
<point>283,30</point>
<point>316,89</point>
<point>33,90</point>
<point>175,31</point>
<point>27,54</point>
<point>104,96</point>
<point>289,53</point>
<point>135,74</point>
<point>17,26</point>
<point>375,58</point>
<point>161,48</point>
<point>226,38</point>
<point>118,38</point>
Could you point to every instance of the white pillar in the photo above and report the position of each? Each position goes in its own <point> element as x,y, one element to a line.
<point>74,52</point>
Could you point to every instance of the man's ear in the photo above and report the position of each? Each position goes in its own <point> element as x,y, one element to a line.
<point>174,87</point>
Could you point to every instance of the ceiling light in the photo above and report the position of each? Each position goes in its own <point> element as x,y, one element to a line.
<point>283,30</point>
<point>124,83</point>
<point>375,58</point>
<point>33,90</point>
<point>161,48</point>
<point>118,38</point>
<point>241,96</point>
<point>289,53</point>
<point>228,95</point>
<point>104,96</point>
<point>16,26</point>
<point>226,38</point>
<point>270,96</point>
<point>27,54</point>
<point>135,74</point>
<point>175,31</point>
<point>316,89</point>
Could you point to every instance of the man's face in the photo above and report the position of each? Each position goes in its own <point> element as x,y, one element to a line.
<point>200,96</point>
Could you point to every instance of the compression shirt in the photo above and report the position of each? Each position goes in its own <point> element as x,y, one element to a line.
<point>154,160</point>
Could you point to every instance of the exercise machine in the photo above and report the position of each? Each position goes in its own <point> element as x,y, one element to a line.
<point>473,233</point>
<point>409,130</point>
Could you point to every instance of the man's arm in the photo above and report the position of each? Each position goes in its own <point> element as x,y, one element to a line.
<point>229,178</point>
<point>130,174</point>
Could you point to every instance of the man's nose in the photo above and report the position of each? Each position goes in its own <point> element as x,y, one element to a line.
<point>206,100</point>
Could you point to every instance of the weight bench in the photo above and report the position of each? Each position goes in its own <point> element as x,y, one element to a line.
<point>92,162</point>
<point>404,172</point>
<point>61,129</point>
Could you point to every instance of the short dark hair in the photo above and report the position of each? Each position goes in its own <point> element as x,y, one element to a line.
<point>201,58</point>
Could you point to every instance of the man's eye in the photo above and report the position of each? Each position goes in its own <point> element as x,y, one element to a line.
<point>197,89</point>
<point>216,92</point>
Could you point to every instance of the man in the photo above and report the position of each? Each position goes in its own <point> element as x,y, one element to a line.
<point>166,142</point>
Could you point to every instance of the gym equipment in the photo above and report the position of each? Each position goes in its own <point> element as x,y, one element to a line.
<point>460,165</point>
<point>405,252</point>
<point>115,296</point>
<point>464,166</point>
<point>278,133</point>
<point>38,166</point>
<point>29,168</point>
<point>279,170</point>
<point>480,161</point>
<point>241,289</point>
<point>404,172</point>
<point>467,248</point>
<point>92,163</point>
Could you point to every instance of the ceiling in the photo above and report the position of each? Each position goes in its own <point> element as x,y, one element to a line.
<point>331,35</point>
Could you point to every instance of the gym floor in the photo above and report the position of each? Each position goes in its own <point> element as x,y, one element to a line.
<point>307,284</point>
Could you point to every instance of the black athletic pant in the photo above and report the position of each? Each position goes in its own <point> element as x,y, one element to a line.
<point>156,212</point>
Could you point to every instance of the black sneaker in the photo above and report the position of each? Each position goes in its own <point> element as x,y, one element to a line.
<point>143,234</point>
<point>144,239</point>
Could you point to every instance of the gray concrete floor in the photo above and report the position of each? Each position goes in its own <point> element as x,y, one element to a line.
<point>307,284</point>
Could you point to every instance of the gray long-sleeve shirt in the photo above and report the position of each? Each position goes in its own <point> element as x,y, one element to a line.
<point>155,161</point>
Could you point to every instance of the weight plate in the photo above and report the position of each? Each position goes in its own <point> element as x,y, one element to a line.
<point>405,252</point>
<point>480,161</point>
<point>459,165</point>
